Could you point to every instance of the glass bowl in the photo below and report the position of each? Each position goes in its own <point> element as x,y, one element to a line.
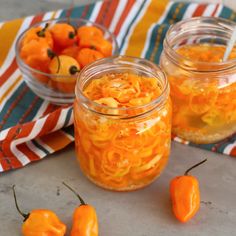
<point>41,83</point>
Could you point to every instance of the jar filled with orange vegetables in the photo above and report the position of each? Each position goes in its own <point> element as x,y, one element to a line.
<point>122,122</point>
<point>202,85</point>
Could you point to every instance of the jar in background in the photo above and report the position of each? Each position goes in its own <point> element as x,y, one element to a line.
<point>202,86</point>
<point>122,147</point>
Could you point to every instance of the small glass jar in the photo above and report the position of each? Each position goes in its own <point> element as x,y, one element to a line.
<point>122,148</point>
<point>202,85</point>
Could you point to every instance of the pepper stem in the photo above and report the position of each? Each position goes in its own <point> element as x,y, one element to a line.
<point>73,70</point>
<point>198,164</point>
<point>72,190</point>
<point>41,33</point>
<point>51,55</point>
<point>17,207</point>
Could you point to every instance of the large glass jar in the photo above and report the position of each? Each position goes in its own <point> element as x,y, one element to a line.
<point>121,147</point>
<point>202,85</point>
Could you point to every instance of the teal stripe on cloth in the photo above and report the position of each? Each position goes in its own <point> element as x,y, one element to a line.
<point>40,147</point>
<point>10,117</point>
<point>69,130</point>
<point>216,147</point>
<point>171,17</point>
<point>68,115</point>
<point>226,13</point>
<point>79,12</point>
<point>75,13</point>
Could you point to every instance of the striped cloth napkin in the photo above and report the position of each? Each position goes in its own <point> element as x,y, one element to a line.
<point>31,128</point>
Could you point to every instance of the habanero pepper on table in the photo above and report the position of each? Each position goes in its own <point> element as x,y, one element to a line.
<point>85,221</point>
<point>40,222</point>
<point>185,195</point>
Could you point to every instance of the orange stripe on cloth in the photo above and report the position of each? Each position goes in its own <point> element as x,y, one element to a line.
<point>7,35</point>
<point>102,13</point>
<point>233,152</point>
<point>125,13</point>
<point>50,123</point>
<point>10,70</point>
<point>110,14</point>
<point>200,9</point>
<point>56,140</point>
<point>29,153</point>
<point>13,85</point>
<point>137,40</point>
<point>6,147</point>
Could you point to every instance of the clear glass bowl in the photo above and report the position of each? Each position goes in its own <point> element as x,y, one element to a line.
<point>40,82</point>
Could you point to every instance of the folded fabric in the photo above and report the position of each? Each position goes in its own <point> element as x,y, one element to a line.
<point>31,128</point>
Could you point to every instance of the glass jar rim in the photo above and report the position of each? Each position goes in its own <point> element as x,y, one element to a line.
<point>80,20</point>
<point>155,102</point>
<point>219,22</point>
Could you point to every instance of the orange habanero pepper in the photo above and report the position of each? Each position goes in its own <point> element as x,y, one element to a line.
<point>37,33</point>
<point>185,195</point>
<point>63,34</point>
<point>85,221</point>
<point>40,222</point>
<point>37,52</point>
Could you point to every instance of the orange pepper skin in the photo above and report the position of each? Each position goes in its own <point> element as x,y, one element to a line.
<point>185,196</point>
<point>63,35</point>
<point>42,222</point>
<point>36,52</point>
<point>100,44</point>
<point>85,221</point>
<point>88,32</point>
<point>33,34</point>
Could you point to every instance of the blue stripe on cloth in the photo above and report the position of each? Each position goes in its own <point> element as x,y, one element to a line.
<point>175,14</point>
<point>40,147</point>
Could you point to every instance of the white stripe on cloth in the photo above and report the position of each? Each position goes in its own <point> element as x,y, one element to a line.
<point>7,85</point>
<point>149,34</point>
<point>35,149</point>
<point>190,10</point>
<point>220,8</point>
<point>117,15</point>
<point>23,159</point>
<point>62,118</point>
<point>11,54</point>
<point>136,8</point>
<point>96,11</point>
<point>41,110</point>
<point>209,10</point>
<point>41,143</point>
<point>229,148</point>
<point>3,134</point>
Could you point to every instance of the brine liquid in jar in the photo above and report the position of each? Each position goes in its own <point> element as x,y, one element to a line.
<point>203,87</point>
<point>122,123</point>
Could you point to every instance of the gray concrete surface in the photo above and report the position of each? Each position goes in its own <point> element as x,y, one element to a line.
<point>146,212</point>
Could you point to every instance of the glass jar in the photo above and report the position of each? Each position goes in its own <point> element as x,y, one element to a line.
<point>122,148</point>
<point>202,85</point>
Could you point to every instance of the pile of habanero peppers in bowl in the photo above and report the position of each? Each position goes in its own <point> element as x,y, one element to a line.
<point>184,193</point>
<point>51,53</point>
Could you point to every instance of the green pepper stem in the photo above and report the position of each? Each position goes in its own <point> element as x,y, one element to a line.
<point>51,55</point>
<point>73,70</point>
<point>72,190</point>
<point>16,204</point>
<point>198,164</point>
<point>41,33</point>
